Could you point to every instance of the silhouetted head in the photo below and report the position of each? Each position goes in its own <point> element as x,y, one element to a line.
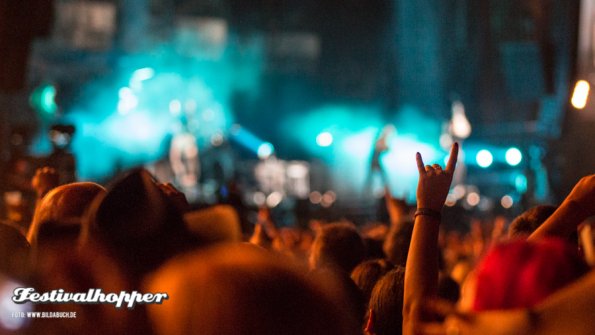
<point>385,313</point>
<point>526,223</point>
<point>14,252</point>
<point>337,245</point>
<point>78,271</point>
<point>366,274</point>
<point>137,222</point>
<point>243,289</point>
<point>219,223</point>
<point>60,211</point>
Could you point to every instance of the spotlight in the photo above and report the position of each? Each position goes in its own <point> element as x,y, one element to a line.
<point>513,156</point>
<point>265,150</point>
<point>324,139</point>
<point>484,158</point>
<point>580,96</point>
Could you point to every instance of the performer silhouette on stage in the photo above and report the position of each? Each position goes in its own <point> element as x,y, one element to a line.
<point>381,146</point>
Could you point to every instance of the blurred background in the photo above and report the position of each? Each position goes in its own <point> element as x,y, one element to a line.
<point>306,106</point>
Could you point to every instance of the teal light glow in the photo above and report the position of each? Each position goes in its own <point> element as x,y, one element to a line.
<point>43,99</point>
<point>354,130</point>
<point>265,150</point>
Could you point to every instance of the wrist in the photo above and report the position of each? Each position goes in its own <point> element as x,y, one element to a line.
<point>428,212</point>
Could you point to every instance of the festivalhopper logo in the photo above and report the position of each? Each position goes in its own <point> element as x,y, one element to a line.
<point>93,296</point>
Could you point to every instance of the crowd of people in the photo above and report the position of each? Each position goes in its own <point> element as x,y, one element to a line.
<point>407,276</point>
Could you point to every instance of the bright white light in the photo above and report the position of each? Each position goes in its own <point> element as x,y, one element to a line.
<point>513,156</point>
<point>460,126</point>
<point>324,139</point>
<point>145,73</point>
<point>473,199</point>
<point>8,309</point>
<point>128,101</point>
<point>175,107</point>
<point>484,158</point>
<point>297,170</point>
<point>274,199</point>
<point>506,201</point>
<point>139,76</point>
<point>265,150</point>
<point>580,95</point>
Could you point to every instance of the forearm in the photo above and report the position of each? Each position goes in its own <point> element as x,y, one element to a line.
<point>562,223</point>
<point>421,272</point>
<point>568,311</point>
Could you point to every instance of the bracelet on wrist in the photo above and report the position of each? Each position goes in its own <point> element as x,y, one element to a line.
<point>428,212</point>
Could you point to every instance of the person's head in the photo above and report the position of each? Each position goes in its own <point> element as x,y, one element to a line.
<point>526,223</point>
<point>520,274</point>
<point>366,274</point>
<point>138,223</point>
<point>448,288</point>
<point>78,271</point>
<point>14,252</point>
<point>243,289</point>
<point>337,245</point>
<point>62,210</point>
<point>386,304</point>
<point>215,224</point>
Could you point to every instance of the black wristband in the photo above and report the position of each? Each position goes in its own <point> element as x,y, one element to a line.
<point>428,212</point>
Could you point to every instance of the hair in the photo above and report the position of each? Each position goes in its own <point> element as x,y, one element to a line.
<point>219,223</point>
<point>63,206</point>
<point>14,252</point>
<point>337,245</point>
<point>366,274</point>
<point>448,288</point>
<point>386,302</point>
<point>138,224</point>
<point>526,223</point>
<point>520,274</point>
<point>243,289</point>
<point>78,271</point>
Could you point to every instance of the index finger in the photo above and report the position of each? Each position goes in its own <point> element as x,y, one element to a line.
<point>452,160</point>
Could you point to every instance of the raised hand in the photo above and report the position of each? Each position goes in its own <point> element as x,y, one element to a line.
<point>583,195</point>
<point>45,179</point>
<point>396,208</point>
<point>421,272</point>
<point>434,182</point>
<point>578,205</point>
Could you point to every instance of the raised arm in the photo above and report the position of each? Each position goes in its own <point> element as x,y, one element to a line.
<point>567,311</point>
<point>421,272</point>
<point>578,206</point>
